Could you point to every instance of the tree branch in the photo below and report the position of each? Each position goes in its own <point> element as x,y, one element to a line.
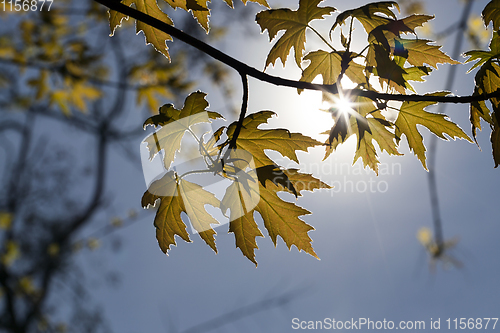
<point>243,68</point>
<point>244,106</point>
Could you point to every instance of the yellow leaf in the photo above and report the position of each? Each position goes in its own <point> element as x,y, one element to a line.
<point>198,9</point>
<point>5,220</point>
<point>53,249</point>
<point>491,13</point>
<point>260,2</point>
<point>412,114</point>
<point>149,93</point>
<point>366,15</point>
<point>177,196</point>
<point>420,53</point>
<point>153,36</point>
<point>26,286</point>
<point>174,125</point>
<point>281,218</point>
<point>93,243</point>
<point>255,140</point>
<point>75,94</point>
<point>11,253</point>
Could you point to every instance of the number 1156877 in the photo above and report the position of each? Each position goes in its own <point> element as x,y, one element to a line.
<point>25,5</point>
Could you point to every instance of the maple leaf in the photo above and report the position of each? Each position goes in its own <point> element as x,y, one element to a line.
<point>368,124</point>
<point>488,80</point>
<point>295,23</point>
<point>420,53</point>
<point>386,68</point>
<point>378,131</point>
<point>281,218</point>
<point>210,147</point>
<point>198,9</point>
<point>242,224</point>
<point>260,2</point>
<point>74,94</point>
<point>483,56</point>
<point>255,140</point>
<point>491,13</point>
<point>412,114</point>
<point>386,34</point>
<point>177,196</point>
<point>149,94</point>
<point>367,15</point>
<point>175,123</point>
<point>153,36</point>
<point>478,110</point>
<point>41,84</point>
<point>329,66</point>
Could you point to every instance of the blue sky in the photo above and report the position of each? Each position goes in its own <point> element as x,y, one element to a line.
<point>371,266</point>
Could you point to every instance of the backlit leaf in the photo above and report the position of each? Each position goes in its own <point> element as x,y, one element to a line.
<point>367,15</point>
<point>491,13</point>
<point>255,140</point>
<point>177,196</point>
<point>281,218</point>
<point>294,23</point>
<point>153,36</point>
<point>420,53</point>
<point>412,114</point>
<point>198,8</point>
<point>175,123</point>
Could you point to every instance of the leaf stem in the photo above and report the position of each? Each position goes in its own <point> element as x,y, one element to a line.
<point>321,37</point>
<point>244,107</point>
<point>350,35</point>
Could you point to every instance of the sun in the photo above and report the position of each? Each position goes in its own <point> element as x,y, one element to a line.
<point>343,104</point>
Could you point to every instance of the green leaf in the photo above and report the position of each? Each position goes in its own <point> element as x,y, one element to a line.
<point>255,140</point>
<point>294,23</point>
<point>412,114</point>
<point>483,56</point>
<point>488,80</point>
<point>177,196</point>
<point>175,123</point>
<point>491,13</point>
<point>367,15</point>
<point>478,110</point>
